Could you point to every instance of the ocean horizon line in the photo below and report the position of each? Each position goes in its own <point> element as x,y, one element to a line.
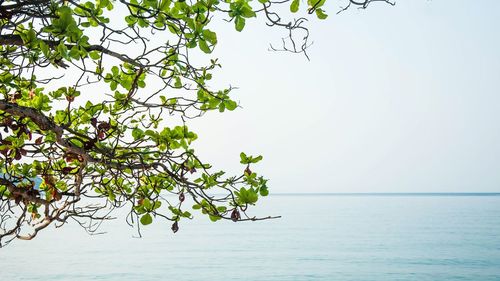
<point>385,194</point>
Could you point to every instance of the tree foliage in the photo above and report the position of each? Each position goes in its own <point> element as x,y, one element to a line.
<point>95,100</point>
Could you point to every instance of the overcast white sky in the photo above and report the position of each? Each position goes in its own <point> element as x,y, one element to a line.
<point>394,99</point>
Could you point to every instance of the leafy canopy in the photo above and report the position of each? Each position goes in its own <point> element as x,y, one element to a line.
<point>95,97</point>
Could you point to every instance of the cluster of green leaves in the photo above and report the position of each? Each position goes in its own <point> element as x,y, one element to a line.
<point>120,142</point>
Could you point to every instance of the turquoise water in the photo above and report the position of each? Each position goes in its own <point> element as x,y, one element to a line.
<point>319,238</point>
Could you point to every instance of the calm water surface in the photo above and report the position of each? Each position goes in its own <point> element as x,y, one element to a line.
<point>319,238</point>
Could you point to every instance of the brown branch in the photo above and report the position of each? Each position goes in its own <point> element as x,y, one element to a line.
<point>16,40</point>
<point>45,124</point>
<point>17,191</point>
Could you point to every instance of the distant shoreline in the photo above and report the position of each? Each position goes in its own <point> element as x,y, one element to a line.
<point>387,194</point>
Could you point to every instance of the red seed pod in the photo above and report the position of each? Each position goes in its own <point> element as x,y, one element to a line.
<point>175,227</point>
<point>56,195</point>
<point>235,215</point>
<point>181,197</point>
<point>101,135</point>
<point>248,171</point>
<point>104,126</point>
<point>15,96</point>
<point>89,144</point>
<point>18,155</point>
<point>67,170</point>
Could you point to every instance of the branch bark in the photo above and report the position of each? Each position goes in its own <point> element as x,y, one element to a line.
<point>16,40</point>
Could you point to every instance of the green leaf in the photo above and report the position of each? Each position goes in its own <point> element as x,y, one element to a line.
<point>156,205</point>
<point>214,218</point>
<point>177,83</point>
<point>204,47</point>
<point>239,23</point>
<point>147,204</point>
<point>103,3</point>
<point>137,133</point>
<point>115,70</point>
<point>231,105</point>
<point>221,209</point>
<point>243,158</point>
<point>252,196</point>
<point>294,7</point>
<point>74,53</point>
<point>247,12</point>
<point>247,196</point>
<point>45,48</point>
<point>94,55</point>
<point>222,107</point>
<point>210,36</point>
<point>62,49</point>
<point>264,191</point>
<point>146,219</point>
<point>256,159</point>
<point>140,209</point>
<point>320,14</point>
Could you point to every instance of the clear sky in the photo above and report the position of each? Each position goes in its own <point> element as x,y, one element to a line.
<point>394,99</point>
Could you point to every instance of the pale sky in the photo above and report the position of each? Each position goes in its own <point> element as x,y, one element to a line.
<point>394,99</point>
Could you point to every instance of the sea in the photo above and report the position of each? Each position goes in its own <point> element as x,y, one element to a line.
<point>318,237</point>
